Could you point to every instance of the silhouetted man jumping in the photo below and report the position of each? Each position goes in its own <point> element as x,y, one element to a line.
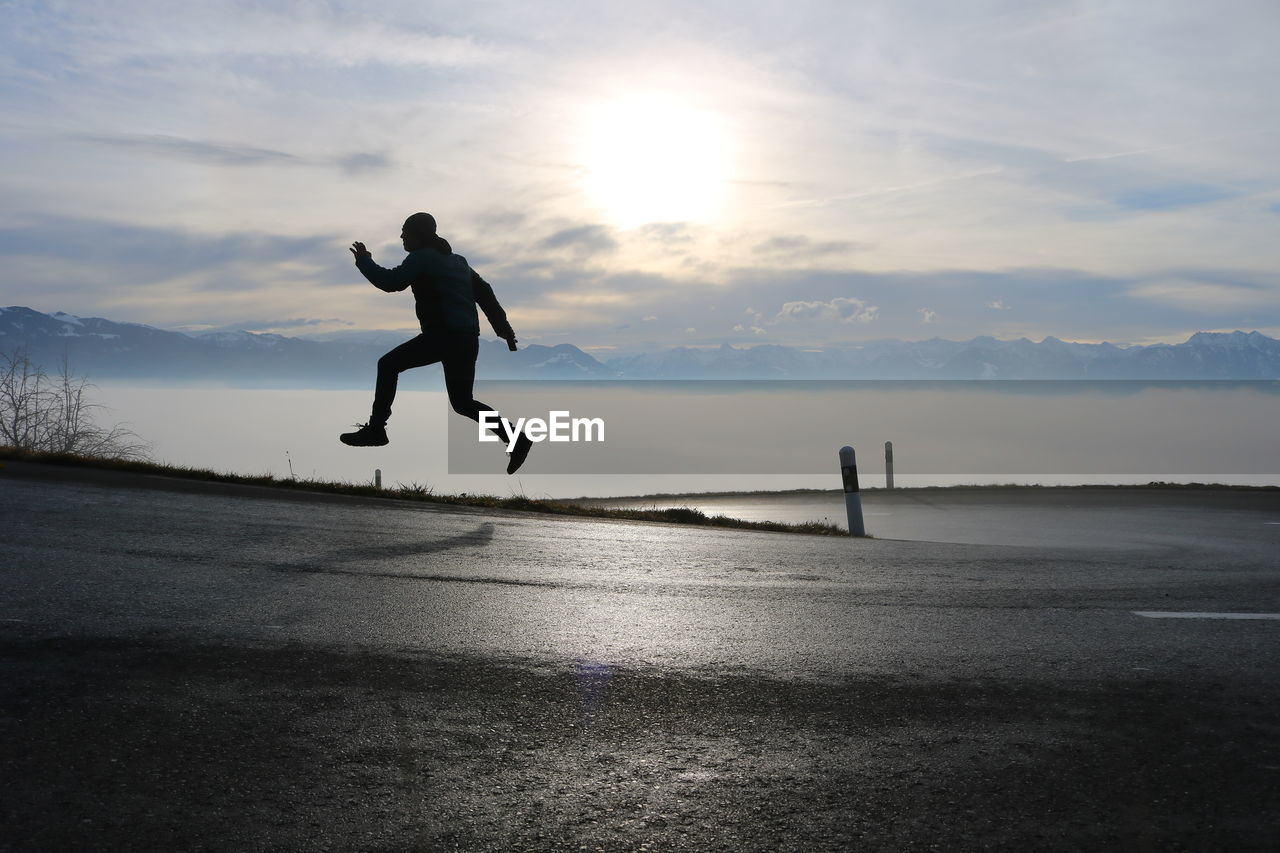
<point>446,291</point>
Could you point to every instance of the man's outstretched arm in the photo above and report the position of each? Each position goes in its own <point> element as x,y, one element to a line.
<point>415,266</point>
<point>488,303</point>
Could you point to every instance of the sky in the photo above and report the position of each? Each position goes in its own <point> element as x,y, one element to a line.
<point>635,177</point>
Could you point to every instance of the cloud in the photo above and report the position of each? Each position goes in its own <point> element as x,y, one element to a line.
<point>232,154</point>
<point>131,33</point>
<point>796,246</point>
<point>998,305</point>
<point>667,232</point>
<point>360,162</point>
<point>167,276</point>
<point>122,250</point>
<point>1138,152</point>
<point>1002,154</point>
<point>210,153</point>
<point>599,294</point>
<point>1066,303</point>
<point>499,219</point>
<point>276,326</point>
<point>1209,297</point>
<point>844,309</point>
<point>1172,195</point>
<point>892,189</point>
<point>755,325</point>
<point>582,240</point>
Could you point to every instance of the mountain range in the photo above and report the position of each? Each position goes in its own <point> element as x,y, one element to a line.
<point>103,348</point>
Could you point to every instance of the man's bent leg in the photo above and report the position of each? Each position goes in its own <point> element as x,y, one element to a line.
<point>413,353</point>
<point>418,352</point>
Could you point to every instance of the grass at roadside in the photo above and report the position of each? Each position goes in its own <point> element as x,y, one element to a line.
<point>1153,485</point>
<point>425,494</point>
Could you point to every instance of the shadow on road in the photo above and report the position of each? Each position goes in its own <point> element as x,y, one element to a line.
<point>330,563</point>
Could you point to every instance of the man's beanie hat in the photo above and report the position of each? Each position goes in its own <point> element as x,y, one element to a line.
<point>421,223</point>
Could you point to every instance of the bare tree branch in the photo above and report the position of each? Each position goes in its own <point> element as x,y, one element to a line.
<point>55,415</point>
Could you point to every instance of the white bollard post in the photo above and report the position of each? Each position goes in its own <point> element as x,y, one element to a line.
<point>377,478</point>
<point>852,496</point>
<point>888,464</point>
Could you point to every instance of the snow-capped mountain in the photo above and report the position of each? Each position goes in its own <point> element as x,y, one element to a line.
<point>104,348</point>
<point>1206,355</point>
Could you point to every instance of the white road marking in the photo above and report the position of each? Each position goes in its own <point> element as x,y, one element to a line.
<point>1187,614</point>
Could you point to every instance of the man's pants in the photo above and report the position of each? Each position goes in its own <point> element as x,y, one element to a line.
<point>456,353</point>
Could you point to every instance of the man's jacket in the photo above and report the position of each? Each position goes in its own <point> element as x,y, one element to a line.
<point>445,290</point>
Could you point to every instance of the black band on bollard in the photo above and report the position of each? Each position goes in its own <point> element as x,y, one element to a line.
<point>850,475</point>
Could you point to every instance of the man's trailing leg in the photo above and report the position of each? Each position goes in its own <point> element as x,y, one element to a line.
<point>519,453</point>
<point>459,379</point>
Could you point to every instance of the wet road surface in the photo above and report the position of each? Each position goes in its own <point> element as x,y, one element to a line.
<point>195,666</point>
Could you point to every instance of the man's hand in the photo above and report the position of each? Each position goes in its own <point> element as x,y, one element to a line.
<point>358,249</point>
<point>511,343</point>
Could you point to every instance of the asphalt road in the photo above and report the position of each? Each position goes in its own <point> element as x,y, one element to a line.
<point>195,666</point>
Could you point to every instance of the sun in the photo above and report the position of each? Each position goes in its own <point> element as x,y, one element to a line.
<point>654,158</point>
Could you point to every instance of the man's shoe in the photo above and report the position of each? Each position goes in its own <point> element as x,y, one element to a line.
<point>518,453</point>
<point>369,435</point>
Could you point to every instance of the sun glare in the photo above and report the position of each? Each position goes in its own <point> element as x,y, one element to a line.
<point>653,158</point>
